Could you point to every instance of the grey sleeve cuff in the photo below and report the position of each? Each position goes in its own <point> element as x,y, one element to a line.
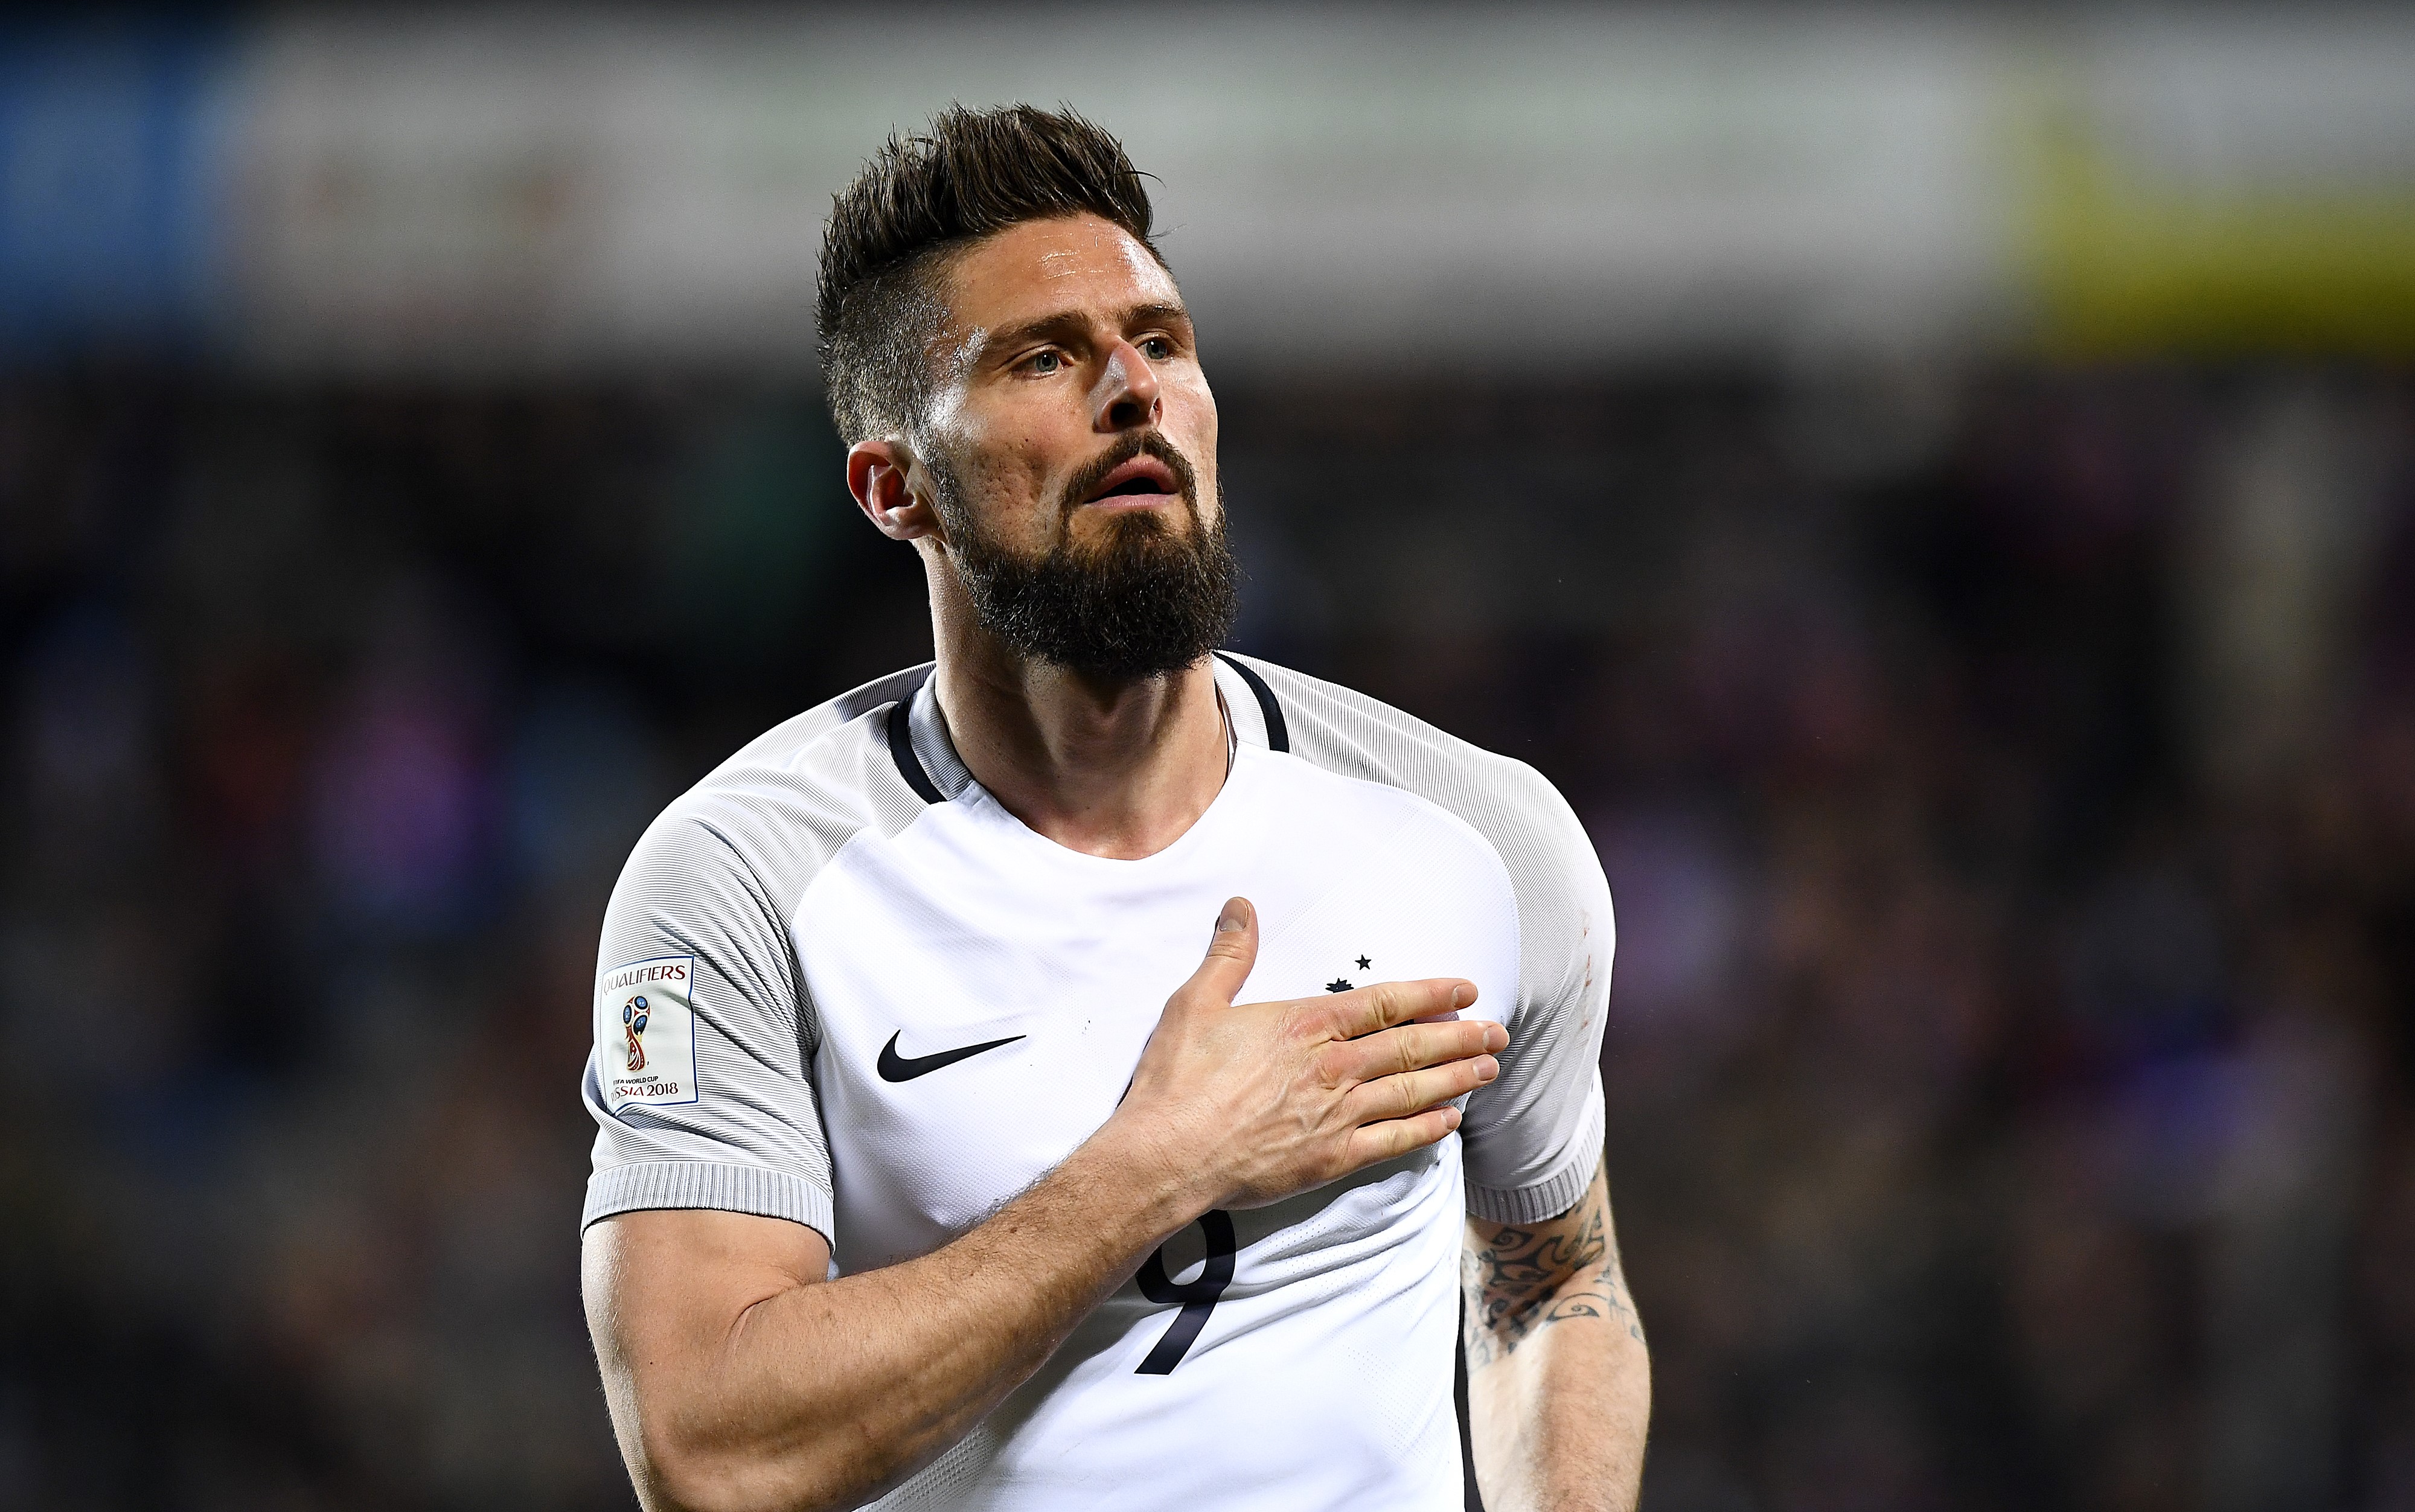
<point>1558,1192</point>
<point>729,1188</point>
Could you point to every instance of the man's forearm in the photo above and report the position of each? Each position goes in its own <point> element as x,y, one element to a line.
<point>1559,1380</point>
<point>820,1394</point>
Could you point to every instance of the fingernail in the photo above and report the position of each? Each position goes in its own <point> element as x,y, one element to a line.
<point>1488,1067</point>
<point>1231,918</point>
<point>1461,995</point>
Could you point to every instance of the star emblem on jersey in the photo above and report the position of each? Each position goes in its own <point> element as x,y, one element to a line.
<point>1342,984</point>
<point>896,1068</point>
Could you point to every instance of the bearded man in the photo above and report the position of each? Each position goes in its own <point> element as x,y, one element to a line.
<point>1092,1070</point>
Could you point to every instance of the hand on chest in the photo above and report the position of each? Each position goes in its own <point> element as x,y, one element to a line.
<point>982,1003</point>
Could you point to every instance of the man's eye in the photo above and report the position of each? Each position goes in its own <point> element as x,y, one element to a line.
<point>1156,349</point>
<point>1045,362</point>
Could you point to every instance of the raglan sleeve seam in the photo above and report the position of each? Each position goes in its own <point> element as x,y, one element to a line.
<point>778,920</point>
<point>1558,1012</point>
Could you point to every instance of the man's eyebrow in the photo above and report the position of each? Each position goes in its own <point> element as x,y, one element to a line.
<point>1067,324</point>
<point>1159,314</point>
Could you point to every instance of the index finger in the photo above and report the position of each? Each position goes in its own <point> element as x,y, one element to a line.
<point>1365,1009</point>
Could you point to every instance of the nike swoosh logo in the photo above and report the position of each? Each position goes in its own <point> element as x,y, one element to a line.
<point>896,1068</point>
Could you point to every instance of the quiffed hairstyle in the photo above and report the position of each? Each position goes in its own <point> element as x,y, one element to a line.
<point>923,198</point>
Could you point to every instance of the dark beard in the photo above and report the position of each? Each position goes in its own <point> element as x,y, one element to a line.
<point>1143,601</point>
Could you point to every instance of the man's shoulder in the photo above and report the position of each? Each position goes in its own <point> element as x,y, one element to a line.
<point>791,744</point>
<point>1343,730</point>
<point>1563,900</point>
<point>788,799</point>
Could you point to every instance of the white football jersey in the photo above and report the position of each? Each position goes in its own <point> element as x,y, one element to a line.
<point>841,985</point>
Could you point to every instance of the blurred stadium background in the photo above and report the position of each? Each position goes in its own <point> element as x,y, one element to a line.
<point>1935,488</point>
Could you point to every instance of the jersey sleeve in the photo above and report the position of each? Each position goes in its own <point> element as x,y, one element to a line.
<point>1531,1137</point>
<point>699,1079</point>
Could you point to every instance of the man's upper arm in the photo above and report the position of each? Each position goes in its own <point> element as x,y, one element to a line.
<point>660,1285</point>
<point>699,1079</point>
<point>1532,1137</point>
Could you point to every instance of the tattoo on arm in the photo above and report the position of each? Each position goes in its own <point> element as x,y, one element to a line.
<point>1519,1281</point>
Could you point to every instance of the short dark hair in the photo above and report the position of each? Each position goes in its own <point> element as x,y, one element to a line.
<point>920,199</point>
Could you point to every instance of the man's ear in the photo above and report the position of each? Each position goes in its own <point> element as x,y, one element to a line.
<point>883,475</point>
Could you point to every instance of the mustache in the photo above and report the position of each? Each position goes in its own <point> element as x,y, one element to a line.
<point>1135,443</point>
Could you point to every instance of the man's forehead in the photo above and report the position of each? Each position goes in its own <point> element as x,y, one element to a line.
<point>1043,267</point>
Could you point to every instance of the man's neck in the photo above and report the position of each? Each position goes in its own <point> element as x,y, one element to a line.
<point>1109,768</point>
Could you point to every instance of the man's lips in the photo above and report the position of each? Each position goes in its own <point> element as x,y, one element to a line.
<point>1141,479</point>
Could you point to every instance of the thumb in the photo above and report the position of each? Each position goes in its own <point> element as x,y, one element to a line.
<point>1232,951</point>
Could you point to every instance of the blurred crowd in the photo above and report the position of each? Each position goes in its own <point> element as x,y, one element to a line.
<point>2006,781</point>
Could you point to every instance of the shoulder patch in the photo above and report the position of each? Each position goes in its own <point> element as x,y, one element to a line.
<point>645,1033</point>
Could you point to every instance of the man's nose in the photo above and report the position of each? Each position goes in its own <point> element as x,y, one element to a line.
<point>1127,396</point>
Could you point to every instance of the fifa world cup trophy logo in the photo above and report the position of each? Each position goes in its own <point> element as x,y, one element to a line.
<point>632,1023</point>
